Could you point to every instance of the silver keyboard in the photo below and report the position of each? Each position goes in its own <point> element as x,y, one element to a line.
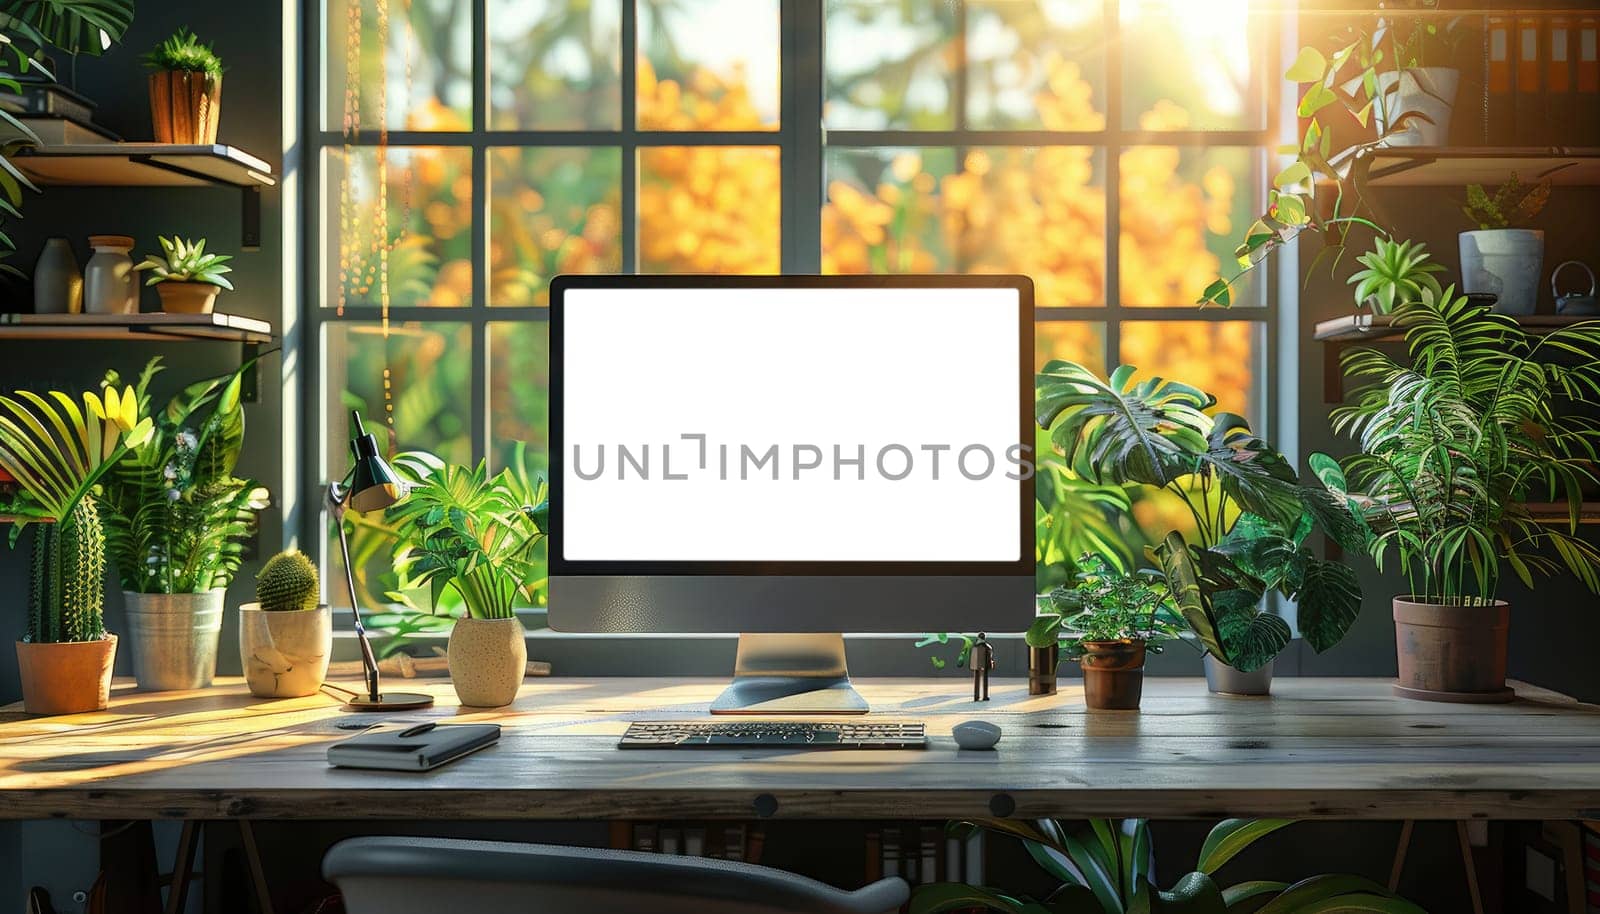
<point>736,734</point>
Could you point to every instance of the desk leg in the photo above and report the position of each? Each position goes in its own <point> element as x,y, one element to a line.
<point>1400,854</point>
<point>183,867</point>
<point>1470,866</point>
<point>258,876</point>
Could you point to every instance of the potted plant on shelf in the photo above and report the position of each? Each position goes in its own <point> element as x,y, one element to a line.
<point>1251,516</point>
<point>186,277</point>
<point>1107,866</point>
<point>57,452</point>
<point>1419,90</point>
<point>1501,257</point>
<point>176,519</point>
<point>286,636</point>
<point>185,90</point>
<point>1394,272</point>
<point>463,530</point>
<point>1108,621</point>
<point>1453,446</point>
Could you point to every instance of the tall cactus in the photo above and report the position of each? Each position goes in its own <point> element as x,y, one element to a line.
<point>67,593</point>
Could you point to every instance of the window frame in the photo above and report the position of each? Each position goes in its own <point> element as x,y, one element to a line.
<point>802,142</point>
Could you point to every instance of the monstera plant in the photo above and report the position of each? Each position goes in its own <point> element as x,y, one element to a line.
<point>1251,516</point>
<point>1108,867</point>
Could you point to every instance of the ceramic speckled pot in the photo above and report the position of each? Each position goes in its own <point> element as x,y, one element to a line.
<point>284,653</point>
<point>487,660</point>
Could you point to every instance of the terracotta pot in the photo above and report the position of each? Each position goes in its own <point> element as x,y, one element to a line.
<point>187,297</point>
<point>488,658</point>
<point>1452,653</point>
<point>284,653</point>
<point>66,678</point>
<point>185,107</point>
<point>1113,674</point>
<point>1042,664</point>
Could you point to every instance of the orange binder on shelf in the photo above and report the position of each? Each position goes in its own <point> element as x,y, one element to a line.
<point>1586,82</point>
<point>1498,128</point>
<point>1529,117</point>
<point>1560,102</point>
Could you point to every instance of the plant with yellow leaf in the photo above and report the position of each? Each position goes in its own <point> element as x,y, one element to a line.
<point>57,453</point>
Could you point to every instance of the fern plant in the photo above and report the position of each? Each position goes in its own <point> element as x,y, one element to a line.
<point>1252,517</point>
<point>1108,866</point>
<point>57,453</point>
<point>176,516</point>
<point>463,530</point>
<point>1454,442</point>
<point>183,52</point>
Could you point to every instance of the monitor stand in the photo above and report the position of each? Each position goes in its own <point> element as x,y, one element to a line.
<point>790,674</point>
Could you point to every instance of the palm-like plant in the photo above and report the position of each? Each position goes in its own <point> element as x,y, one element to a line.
<point>1395,272</point>
<point>1108,867</point>
<point>1454,445</point>
<point>176,516</point>
<point>464,530</point>
<point>1251,515</point>
<point>57,453</point>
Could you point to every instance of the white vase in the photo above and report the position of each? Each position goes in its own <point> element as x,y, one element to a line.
<point>57,281</point>
<point>284,653</point>
<point>1506,263</point>
<point>110,286</point>
<point>488,658</point>
<point>1426,91</point>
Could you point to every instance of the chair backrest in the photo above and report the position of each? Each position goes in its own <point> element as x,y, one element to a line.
<point>400,875</point>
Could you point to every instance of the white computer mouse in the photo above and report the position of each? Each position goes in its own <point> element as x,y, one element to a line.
<point>976,734</point>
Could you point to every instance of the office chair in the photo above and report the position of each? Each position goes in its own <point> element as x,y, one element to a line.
<point>398,875</point>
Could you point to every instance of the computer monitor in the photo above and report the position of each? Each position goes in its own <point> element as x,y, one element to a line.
<point>791,457</point>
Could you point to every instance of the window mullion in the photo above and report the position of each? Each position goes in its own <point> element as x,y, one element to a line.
<point>1113,173</point>
<point>802,137</point>
<point>629,136</point>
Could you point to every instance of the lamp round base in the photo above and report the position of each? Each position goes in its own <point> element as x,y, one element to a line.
<point>390,701</point>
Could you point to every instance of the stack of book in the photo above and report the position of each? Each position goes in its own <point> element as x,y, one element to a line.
<point>722,840</point>
<point>1543,80</point>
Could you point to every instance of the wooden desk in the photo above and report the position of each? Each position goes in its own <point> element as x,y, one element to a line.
<point>1340,748</point>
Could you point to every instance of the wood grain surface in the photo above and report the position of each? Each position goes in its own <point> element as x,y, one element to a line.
<point>1331,748</point>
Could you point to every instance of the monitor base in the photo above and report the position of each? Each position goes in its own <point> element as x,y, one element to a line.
<point>790,674</point>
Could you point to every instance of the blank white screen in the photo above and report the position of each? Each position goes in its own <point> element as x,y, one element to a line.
<point>857,369</point>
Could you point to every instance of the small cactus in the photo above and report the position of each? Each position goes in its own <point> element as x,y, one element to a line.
<point>67,587</point>
<point>288,582</point>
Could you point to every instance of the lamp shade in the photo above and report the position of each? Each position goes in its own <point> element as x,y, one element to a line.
<point>373,483</point>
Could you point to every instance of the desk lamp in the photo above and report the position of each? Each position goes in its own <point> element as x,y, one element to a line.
<point>371,485</point>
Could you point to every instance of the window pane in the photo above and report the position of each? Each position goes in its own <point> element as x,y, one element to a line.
<point>409,208</point>
<point>708,209</point>
<point>519,380</point>
<point>1189,65</point>
<point>1181,210</point>
<point>1035,64</point>
<point>551,210</point>
<point>1038,211</point>
<point>1222,358</point>
<point>708,64</point>
<point>419,79</point>
<point>890,65</point>
<point>555,64</point>
<point>425,367</point>
<point>1083,342</point>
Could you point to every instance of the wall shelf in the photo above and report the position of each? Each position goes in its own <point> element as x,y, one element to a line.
<point>155,165</point>
<point>169,327</point>
<point>1458,166</point>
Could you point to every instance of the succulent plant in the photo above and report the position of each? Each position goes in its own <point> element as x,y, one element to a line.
<point>1396,272</point>
<point>288,582</point>
<point>66,601</point>
<point>186,261</point>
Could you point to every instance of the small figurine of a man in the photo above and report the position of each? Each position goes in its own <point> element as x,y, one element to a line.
<point>980,660</point>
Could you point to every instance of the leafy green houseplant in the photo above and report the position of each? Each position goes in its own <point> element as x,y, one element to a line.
<point>1394,272</point>
<point>57,452</point>
<point>1387,76</point>
<point>185,90</point>
<point>176,520</point>
<point>286,636</point>
<point>1251,516</point>
<point>477,535</point>
<point>1502,256</point>
<point>1108,620</point>
<point>1480,420</point>
<point>1108,867</point>
<point>187,278</point>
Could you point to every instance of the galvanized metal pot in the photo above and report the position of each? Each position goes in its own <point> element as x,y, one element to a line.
<point>1226,680</point>
<point>174,638</point>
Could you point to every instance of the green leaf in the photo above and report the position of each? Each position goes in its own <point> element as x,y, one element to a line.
<point>1309,66</point>
<point>1195,893</point>
<point>75,26</point>
<point>1218,293</point>
<point>1230,836</point>
<point>1296,173</point>
<point>1123,431</point>
<point>1329,602</point>
<point>944,896</point>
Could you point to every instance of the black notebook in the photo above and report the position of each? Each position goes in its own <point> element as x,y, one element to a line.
<point>419,747</point>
